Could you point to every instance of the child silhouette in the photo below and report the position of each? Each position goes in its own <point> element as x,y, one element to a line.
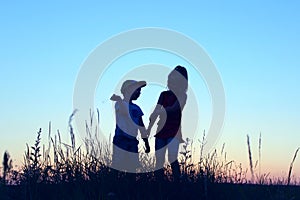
<point>128,122</point>
<point>169,110</point>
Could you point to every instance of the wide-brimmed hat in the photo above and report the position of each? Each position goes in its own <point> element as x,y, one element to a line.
<point>132,85</point>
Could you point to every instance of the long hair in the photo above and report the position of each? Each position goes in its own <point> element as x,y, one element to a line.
<point>178,79</point>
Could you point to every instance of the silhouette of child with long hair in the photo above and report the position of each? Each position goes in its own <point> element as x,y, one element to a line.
<point>169,110</point>
<point>128,122</point>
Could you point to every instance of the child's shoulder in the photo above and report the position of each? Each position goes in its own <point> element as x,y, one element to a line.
<point>135,108</point>
<point>166,92</point>
<point>134,105</point>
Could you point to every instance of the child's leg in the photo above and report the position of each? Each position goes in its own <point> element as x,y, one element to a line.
<point>173,148</point>
<point>160,152</point>
<point>132,156</point>
<point>117,157</point>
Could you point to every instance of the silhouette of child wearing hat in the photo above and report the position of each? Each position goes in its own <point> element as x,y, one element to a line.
<point>128,122</point>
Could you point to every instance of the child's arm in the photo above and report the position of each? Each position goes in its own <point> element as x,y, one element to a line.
<point>156,112</point>
<point>144,135</point>
<point>154,116</point>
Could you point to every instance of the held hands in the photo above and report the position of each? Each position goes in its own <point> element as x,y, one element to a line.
<point>147,146</point>
<point>145,134</point>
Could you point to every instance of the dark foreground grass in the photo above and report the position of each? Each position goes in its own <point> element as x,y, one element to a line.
<point>61,171</point>
<point>150,190</point>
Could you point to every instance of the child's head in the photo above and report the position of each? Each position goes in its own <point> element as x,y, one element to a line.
<point>178,79</point>
<point>131,89</point>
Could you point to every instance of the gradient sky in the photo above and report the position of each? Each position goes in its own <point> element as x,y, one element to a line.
<point>254,45</point>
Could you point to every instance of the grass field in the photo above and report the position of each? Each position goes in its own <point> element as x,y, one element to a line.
<point>150,190</point>
<point>61,171</point>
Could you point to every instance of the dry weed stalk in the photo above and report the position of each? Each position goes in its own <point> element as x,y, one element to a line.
<point>291,167</point>
<point>250,159</point>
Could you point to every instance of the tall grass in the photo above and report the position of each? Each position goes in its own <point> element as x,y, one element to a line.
<point>250,159</point>
<point>291,167</point>
<point>7,165</point>
<point>85,171</point>
<point>258,178</point>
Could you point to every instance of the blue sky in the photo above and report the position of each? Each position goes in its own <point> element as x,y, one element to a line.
<point>254,45</point>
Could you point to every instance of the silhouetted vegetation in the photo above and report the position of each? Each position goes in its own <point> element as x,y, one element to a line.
<point>62,171</point>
